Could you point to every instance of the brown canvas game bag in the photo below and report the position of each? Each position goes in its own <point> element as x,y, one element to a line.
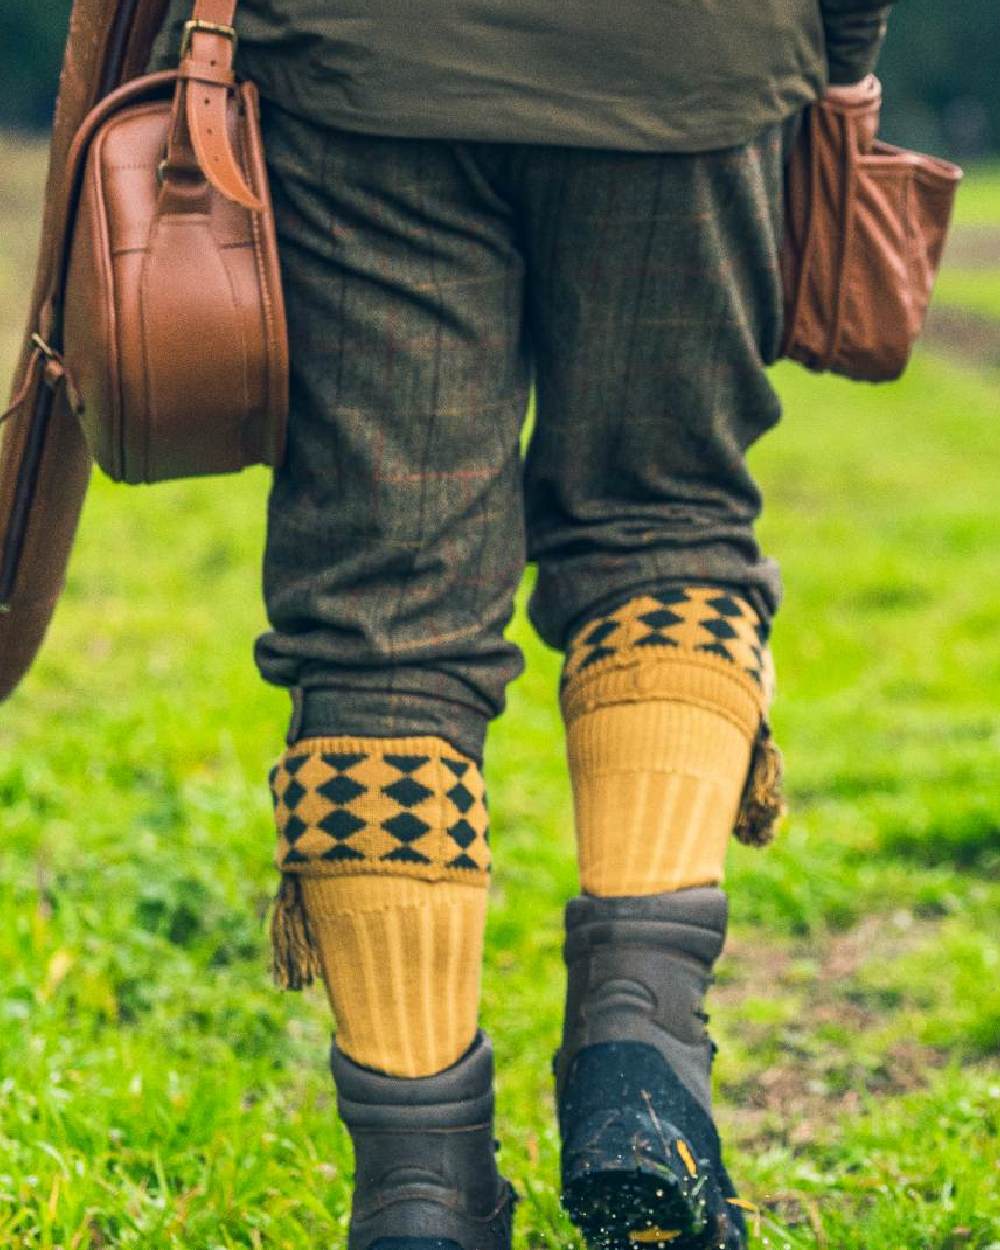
<point>865,226</point>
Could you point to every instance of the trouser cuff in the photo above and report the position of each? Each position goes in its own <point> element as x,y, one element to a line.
<point>332,711</point>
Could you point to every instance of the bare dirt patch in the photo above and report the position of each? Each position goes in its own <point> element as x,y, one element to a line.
<point>964,335</point>
<point>833,1052</point>
<point>973,247</point>
<point>967,336</point>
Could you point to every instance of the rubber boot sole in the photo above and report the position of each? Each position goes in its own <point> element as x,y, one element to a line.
<point>631,1177</point>
<point>618,1206</point>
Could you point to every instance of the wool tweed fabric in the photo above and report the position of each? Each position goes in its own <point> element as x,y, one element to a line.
<point>431,286</point>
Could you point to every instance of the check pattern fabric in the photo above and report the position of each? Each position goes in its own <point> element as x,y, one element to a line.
<point>433,287</point>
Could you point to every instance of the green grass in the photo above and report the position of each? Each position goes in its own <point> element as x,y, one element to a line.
<point>977,209</point>
<point>155,1092</point>
<point>976,290</point>
<point>978,199</point>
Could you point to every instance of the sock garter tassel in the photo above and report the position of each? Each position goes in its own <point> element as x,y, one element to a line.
<point>295,959</point>
<point>762,803</point>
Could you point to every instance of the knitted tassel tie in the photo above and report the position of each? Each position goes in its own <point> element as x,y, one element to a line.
<point>294,958</point>
<point>762,804</point>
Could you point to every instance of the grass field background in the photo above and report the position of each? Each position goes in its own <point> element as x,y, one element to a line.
<point>156,1092</point>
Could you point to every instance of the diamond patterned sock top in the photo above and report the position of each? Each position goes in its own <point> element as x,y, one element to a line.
<point>696,643</point>
<point>383,846</point>
<point>665,702</point>
<point>407,806</point>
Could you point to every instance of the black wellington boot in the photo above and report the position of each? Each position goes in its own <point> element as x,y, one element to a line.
<point>425,1156</point>
<point>641,1161</point>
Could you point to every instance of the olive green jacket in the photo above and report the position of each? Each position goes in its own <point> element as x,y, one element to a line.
<point>658,75</point>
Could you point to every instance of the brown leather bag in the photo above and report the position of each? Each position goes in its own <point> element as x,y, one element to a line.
<point>44,460</point>
<point>174,335</point>
<point>865,226</point>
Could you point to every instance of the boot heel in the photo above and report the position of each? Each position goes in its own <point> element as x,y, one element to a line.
<point>628,1183</point>
<point>641,1157</point>
<point>426,1176</point>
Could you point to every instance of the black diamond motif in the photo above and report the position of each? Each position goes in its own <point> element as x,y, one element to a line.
<point>598,653</point>
<point>461,797</point>
<point>678,594</point>
<point>718,627</point>
<point>295,857</point>
<point>341,789</point>
<point>660,618</point>
<point>405,826</point>
<point>406,763</point>
<point>294,762</point>
<point>341,823</point>
<point>603,629</point>
<point>725,605</point>
<point>462,861</point>
<point>272,774</point>
<point>407,792</point>
<point>293,793</point>
<point>342,761</point>
<point>716,648</point>
<point>458,767</point>
<point>294,828</point>
<point>342,851</point>
<point>656,640</point>
<point>463,833</point>
<point>407,854</point>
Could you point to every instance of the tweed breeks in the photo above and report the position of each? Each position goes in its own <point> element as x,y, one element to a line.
<point>432,286</point>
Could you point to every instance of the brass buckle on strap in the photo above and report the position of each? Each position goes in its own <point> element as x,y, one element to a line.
<point>211,28</point>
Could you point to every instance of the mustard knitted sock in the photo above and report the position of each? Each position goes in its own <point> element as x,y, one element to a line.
<point>665,702</point>
<point>383,845</point>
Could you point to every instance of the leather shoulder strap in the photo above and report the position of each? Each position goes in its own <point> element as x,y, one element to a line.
<point>205,81</point>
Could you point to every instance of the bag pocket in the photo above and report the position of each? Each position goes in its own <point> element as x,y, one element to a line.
<point>899,206</point>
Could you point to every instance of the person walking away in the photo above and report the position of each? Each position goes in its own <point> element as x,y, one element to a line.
<point>474,199</point>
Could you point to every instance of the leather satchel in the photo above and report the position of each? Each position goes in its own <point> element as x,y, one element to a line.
<point>44,460</point>
<point>865,227</point>
<point>174,334</point>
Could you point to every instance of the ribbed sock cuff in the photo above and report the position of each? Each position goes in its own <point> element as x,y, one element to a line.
<point>665,701</point>
<point>402,960</point>
<point>656,788</point>
<point>349,807</point>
